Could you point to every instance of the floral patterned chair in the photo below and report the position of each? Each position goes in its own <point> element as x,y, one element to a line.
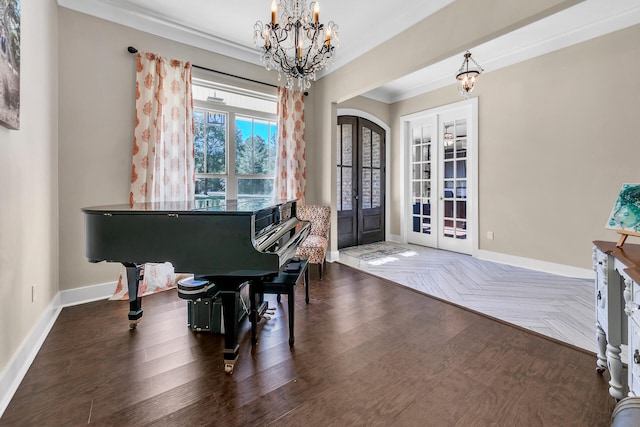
<point>314,247</point>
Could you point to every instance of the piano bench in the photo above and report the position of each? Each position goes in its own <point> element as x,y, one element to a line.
<point>284,283</point>
<point>192,289</point>
<point>203,315</point>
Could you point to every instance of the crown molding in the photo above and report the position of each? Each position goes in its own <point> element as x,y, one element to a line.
<point>126,14</point>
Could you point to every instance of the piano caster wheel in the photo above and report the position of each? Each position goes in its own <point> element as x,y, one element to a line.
<point>228,368</point>
<point>133,323</point>
<point>600,369</point>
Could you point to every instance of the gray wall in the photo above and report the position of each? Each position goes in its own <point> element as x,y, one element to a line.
<point>29,183</point>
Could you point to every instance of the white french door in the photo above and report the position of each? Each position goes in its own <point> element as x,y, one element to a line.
<point>442,186</point>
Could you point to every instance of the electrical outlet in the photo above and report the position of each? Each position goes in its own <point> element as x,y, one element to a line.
<point>490,235</point>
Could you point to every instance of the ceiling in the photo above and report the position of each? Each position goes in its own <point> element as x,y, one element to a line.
<point>227,28</point>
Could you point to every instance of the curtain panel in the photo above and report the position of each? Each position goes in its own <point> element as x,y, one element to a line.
<point>162,169</point>
<point>291,174</point>
<point>163,158</point>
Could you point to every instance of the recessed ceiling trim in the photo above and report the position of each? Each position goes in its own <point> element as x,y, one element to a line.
<point>575,25</point>
<point>143,20</point>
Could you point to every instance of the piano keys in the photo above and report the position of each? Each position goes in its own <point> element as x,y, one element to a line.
<point>228,242</point>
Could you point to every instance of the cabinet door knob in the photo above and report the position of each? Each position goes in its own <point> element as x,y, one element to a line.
<point>636,356</point>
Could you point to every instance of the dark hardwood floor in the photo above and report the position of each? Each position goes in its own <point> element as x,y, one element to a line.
<point>367,352</point>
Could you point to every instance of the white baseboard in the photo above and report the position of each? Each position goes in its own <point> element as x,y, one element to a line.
<point>86,294</point>
<point>529,263</point>
<point>534,264</point>
<point>12,375</point>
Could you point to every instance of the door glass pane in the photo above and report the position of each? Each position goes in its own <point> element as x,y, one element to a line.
<point>426,189</point>
<point>339,145</point>
<point>426,225</point>
<point>347,145</point>
<point>426,216</point>
<point>347,188</point>
<point>448,229</point>
<point>448,140</point>
<point>339,188</point>
<point>416,135</point>
<point>426,152</point>
<point>461,169</point>
<point>426,171</point>
<point>416,171</point>
<point>461,230</point>
<point>417,151</point>
<point>461,148</point>
<point>461,210</point>
<point>448,190</point>
<point>366,189</point>
<point>426,207</point>
<point>461,189</point>
<point>416,189</point>
<point>448,170</point>
<point>366,147</point>
<point>448,208</point>
<point>376,196</point>
<point>375,149</point>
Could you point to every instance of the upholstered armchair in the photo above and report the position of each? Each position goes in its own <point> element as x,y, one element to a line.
<point>314,247</point>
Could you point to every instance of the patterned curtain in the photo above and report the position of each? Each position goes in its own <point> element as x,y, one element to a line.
<point>291,168</point>
<point>162,169</point>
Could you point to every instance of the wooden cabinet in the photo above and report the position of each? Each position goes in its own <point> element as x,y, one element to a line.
<point>631,279</point>
<point>617,300</point>
<point>611,322</point>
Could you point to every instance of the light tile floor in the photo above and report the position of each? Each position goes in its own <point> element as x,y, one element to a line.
<point>557,306</point>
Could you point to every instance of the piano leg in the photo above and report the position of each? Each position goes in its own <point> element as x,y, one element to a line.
<point>230,300</point>
<point>135,273</point>
<point>258,307</point>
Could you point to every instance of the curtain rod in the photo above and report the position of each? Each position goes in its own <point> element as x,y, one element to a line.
<point>133,50</point>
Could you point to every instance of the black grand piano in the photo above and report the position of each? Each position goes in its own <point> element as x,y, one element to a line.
<point>227,242</point>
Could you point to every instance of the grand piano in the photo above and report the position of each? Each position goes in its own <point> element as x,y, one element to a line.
<point>227,242</point>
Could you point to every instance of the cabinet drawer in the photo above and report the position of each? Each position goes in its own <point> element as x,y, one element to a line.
<point>634,358</point>
<point>600,266</point>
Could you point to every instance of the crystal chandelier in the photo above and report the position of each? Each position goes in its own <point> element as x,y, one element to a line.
<point>294,43</point>
<point>467,75</point>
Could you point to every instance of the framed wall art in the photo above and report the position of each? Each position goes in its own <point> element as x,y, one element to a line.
<point>10,63</point>
<point>625,215</point>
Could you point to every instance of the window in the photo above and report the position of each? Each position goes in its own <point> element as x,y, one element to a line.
<point>235,135</point>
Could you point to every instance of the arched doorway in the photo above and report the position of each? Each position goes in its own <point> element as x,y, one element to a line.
<point>361,181</point>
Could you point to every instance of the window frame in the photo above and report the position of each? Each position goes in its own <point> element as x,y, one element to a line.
<point>231,187</point>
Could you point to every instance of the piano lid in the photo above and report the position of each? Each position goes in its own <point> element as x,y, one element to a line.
<point>242,206</point>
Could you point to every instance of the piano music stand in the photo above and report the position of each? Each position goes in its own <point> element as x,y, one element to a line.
<point>284,283</point>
